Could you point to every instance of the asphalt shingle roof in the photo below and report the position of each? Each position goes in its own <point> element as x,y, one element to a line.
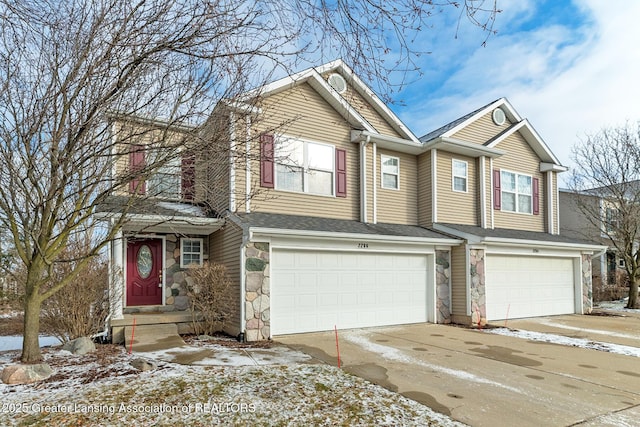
<point>505,233</point>
<point>329,225</point>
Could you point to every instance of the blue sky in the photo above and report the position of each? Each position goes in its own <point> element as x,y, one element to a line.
<point>570,67</point>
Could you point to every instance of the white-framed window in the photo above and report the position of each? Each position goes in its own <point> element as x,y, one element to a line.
<point>304,166</point>
<point>611,219</point>
<point>191,252</point>
<point>517,192</point>
<point>459,169</point>
<point>390,171</point>
<point>165,181</point>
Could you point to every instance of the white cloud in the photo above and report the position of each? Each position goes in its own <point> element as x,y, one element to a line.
<point>567,81</point>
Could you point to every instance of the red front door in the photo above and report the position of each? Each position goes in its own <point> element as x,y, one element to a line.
<point>144,272</point>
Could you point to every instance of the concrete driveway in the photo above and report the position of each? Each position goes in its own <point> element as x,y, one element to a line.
<point>484,379</point>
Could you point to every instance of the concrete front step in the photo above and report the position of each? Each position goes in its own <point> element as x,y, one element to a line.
<point>152,337</point>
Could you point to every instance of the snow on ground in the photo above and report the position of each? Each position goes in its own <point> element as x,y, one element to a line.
<point>572,342</point>
<point>15,342</point>
<point>549,322</point>
<point>361,338</point>
<point>103,389</point>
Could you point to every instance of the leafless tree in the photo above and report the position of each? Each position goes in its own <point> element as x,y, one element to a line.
<point>66,67</point>
<point>607,177</point>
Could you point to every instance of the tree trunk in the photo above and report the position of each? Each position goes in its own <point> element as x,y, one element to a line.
<point>633,293</point>
<point>30,346</point>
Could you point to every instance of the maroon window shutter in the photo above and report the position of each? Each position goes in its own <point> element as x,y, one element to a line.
<point>536,196</point>
<point>496,189</point>
<point>136,165</point>
<point>266,161</point>
<point>188,176</point>
<point>341,173</point>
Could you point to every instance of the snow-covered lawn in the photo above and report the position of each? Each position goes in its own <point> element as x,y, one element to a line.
<point>103,389</point>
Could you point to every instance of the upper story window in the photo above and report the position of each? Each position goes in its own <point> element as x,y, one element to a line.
<point>191,252</point>
<point>611,221</point>
<point>459,172</point>
<point>390,171</point>
<point>167,177</point>
<point>304,166</point>
<point>517,192</point>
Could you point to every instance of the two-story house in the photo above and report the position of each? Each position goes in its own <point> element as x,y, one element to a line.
<point>338,215</point>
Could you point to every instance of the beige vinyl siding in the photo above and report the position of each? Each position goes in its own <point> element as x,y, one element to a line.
<point>130,133</point>
<point>398,206</point>
<point>481,130</point>
<point>453,206</point>
<point>459,281</point>
<point>520,158</point>
<point>424,190</point>
<point>301,113</point>
<point>367,111</point>
<point>224,247</point>
<point>488,201</point>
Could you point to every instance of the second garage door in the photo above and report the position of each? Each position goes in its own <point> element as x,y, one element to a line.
<point>518,286</point>
<point>317,290</point>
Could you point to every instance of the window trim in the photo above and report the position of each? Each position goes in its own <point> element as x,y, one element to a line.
<point>383,157</point>
<point>306,170</point>
<point>454,176</point>
<point>182,252</point>
<point>516,193</point>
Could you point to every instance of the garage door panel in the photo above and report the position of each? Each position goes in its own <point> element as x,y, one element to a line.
<point>521,286</point>
<point>313,291</point>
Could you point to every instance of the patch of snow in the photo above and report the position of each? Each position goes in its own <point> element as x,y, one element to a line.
<point>548,322</point>
<point>182,208</point>
<point>15,342</point>
<point>361,338</point>
<point>572,342</point>
<point>173,394</point>
<point>619,305</point>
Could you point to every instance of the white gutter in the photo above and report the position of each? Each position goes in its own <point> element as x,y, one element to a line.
<point>549,203</point>
<point>434,185</point>
<point>232,162</point>
<point>363,179</point>
<point>491,201</point>
<point>375,185</point>
<point>483,192</point>
<point>391,142</point>
<point>247,196</point>
<point>325,235</point>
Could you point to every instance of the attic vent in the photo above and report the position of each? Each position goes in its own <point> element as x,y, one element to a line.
<point>498,116</point>
<point>337,82</point>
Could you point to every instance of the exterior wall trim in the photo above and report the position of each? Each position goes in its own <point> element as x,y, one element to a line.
<point>434,185</point>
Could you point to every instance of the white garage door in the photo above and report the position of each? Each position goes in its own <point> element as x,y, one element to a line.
<point>519,286</point>
<point>315,291</point>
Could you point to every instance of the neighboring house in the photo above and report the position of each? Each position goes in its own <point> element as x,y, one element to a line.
<point>609,273</point>
<point>342,217</point>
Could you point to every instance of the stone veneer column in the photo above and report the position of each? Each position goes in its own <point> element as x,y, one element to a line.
<point>477,278</point>
<point>257,304</point>
<point>587,284</point>
<point>443,287</point>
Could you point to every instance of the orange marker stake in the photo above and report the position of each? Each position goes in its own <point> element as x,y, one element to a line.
<point>335,327</point>
<point>133,331</point>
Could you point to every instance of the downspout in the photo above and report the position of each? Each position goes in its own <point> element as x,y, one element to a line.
<point>363,179</point>
<point>247,196</point>
<point>483,192</point>
<point>375,185</point>
<point>232,162</point>
<point>550,202</point>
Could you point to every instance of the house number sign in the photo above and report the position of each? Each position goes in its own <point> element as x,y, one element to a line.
<point>363,246</point>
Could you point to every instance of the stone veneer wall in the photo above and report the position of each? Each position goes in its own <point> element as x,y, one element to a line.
<point>587,284</point>
<point>257,292</point>
<point>443,287</point>
<point>176,281</point>
<point>478,296</point>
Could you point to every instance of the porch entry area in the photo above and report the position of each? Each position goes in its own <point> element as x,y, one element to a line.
<point>144,271</point>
